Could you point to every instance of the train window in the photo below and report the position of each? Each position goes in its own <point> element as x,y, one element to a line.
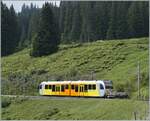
<point>72,86</point>
<point>58,88</point>
<point>90,86</point>
<point>76,88</point>
<point>46,86</point>
<point>62,88</point>
<point>53,88</point>
<point>85,88</point>
<point>80,89</point>
<point>66,86</point>
<point>50,86</point>
<point>101,86</point>
<point>94,86</point>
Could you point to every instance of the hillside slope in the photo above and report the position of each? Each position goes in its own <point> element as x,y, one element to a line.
<point>112,60</point>
<point>74,109</point>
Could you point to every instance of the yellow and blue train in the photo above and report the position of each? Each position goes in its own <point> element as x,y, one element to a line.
<point>84,88</point>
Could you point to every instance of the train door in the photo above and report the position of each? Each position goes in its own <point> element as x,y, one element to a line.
<point>81,90</point>
<point>76,90</point>
<point>57,90</point>
<point>67,90</point>
<point>73,92</point>
<point>102,89</point>
<point>62,89</point>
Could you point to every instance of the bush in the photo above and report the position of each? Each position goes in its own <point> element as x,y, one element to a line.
<point>42,71</point>
<point>5,102</point>
<point>120,87</point>
<point>19,100</point>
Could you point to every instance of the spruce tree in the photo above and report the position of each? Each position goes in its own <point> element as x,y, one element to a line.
<point>76,24</point>
<point>135,20</point>
<point>9,30</point>
<point>14,34</point>
<point>4,30</point>
<point>144,7</point>
<point>102,18</point>
<point>47,39</point>
<point>91,21</point>
<point>111,32</point>
<point>62,12</point>
<point>68,22</point>
<point>121,22</point>
<point>33,24</point>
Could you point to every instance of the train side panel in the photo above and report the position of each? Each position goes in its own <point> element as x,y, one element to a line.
<point>74,88</point>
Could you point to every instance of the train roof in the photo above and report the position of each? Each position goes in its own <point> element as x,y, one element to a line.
<point>73,82</point>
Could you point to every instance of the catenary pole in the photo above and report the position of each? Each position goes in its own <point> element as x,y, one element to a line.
<point>138,79</point>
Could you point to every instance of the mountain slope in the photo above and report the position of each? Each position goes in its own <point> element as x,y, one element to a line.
<point>113,60</point>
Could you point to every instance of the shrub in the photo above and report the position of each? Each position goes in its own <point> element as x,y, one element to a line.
<point>120,87</point>
<point>5,102</point>
<point>19,100</point>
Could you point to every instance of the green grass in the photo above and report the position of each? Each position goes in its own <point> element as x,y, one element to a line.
<point>114,60</point>
<point>82,109</point>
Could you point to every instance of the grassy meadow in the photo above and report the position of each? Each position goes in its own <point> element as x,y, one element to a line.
<point>74,109</point>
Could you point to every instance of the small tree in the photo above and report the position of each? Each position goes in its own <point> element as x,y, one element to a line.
<point>47,39</point>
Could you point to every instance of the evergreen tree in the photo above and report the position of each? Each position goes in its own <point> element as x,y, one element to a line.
<point>121,22</point>
<point>33,23</point>
<point>24,18</point>
<point>91,23</point>
<point>102,18</point>
<point>68,22</point>
<point>47,39</point>
<point>9,30</point>
<point>76,24</point>
<point>4,30</point>
<point>135,20</point>
<point>83,35</point>
<point>14,37</point>
<point>62,16</point>
<point>111,33</point>
<point>144,7</point>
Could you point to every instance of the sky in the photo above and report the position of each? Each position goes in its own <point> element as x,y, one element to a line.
<point>18,3</point>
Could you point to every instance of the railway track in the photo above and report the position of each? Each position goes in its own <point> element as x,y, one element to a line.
<point>52,97</point>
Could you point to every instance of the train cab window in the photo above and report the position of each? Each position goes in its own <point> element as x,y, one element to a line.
<point>76,88</point>
<point>53,88</point>
<point>72,86</point>
<point>90,86</point>
<point>50,86</point>
<point>85,88</point>
<point>94,86</point>
<point>46,86</point>
<point>66,86</point>
<point>62,88</point>
<point>101,86</point>
<point>40,86</point>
